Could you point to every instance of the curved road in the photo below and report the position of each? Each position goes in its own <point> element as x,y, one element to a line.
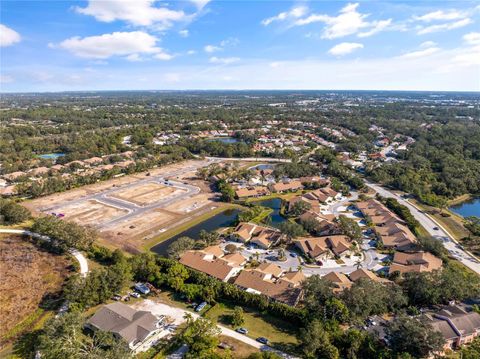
<point>429,224</point>
<point>78,255</point>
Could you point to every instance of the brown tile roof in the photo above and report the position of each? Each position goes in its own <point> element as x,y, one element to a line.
<point>415,262</point>
<point>215,250</point>
<point>252,192</point>
<point>128,323</point>
<point>284,291</point>
<point>340,280</point>
<point>218,267</point>
<point>365,273</point>
<point>270,268</point>
<point>288,186</point>
<point>235,259</point>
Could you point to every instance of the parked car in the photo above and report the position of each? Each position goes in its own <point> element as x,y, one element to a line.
<point>435,228</point>
<point>241,330</point>
<point>294,255</point>
<point>262,340</point>
<point>117,297</point>
<point>201,306</point>
<point>135,295</point>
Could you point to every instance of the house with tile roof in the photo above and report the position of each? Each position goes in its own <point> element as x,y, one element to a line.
<point>139,329</point>
<point>414,262</point>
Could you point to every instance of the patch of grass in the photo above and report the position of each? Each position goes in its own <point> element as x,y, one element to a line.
<point>183,227</point>
<point>281,334</point>
<point>240,349</point>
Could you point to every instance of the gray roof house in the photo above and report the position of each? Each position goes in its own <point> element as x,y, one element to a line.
<point>138,328</point>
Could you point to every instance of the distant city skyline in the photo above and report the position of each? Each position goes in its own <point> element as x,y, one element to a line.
<point>202,44</point>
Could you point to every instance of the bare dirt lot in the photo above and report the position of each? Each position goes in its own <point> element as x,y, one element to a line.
<point>90,212</point>
<point>147,193</point>
<point>130,209</point>
<point>28,275</point>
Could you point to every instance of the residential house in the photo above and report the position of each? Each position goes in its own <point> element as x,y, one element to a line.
<point>262,236</point>
<point>390,229</point>
<point>319,248</point>
<point>285,186</point>
<point>414,262</point>
<point>366,274</point>
<point>256,191</point>
<point>457,325</point>
<point>213,261</point>
<point>270,280</point>
<point>339,280</point>
<point>325,223</point>
<point>139,329</point>
<point>11,177</point>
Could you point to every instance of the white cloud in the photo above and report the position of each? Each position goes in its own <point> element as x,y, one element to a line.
<point>378,26</point>
<point>135,12</point>
<point>191,52</point>
<point>134,58</point>
<point>349,21</point>
<point>129,44</point>
<point>164,56</point>
<point>8,36</point>
<point>345,48</point>
<point>231,41</point>
<point>444,27</point>
<point>441,15</point>
<point>212,48</point>
<point>200,4</point>
<point>472,38</point>
<point>420,53</point>
<point>427,44</point>
<point>183,33</point>
<point>294,13</point>
<point>223,60</point>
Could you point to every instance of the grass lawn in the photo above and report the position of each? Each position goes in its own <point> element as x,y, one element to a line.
<point>240,349</point>
<point>281,334</point>
<point>179,229</point>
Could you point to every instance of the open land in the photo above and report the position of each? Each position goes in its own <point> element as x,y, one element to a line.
<point>130,209</point>
<point>28,276</point>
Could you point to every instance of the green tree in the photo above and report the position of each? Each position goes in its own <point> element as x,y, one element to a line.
<point>291,229</point>
<point>176,276</point>
<point>350,227</point>
<point>412,336</point>
<point>180,246</point>
<point>315,342</point>
<point>237,318</point>
<point>12,213</point>
<point>201,336</point>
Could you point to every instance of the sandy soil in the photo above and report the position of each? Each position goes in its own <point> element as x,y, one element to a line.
<point>91,212</point>
<point>28,274</point>
<point>147,193</point>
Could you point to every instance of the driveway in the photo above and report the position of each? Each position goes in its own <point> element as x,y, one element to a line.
<point>429,224</point>
<point>177,314</point>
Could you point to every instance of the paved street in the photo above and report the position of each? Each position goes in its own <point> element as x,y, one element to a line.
<point>426,221</point>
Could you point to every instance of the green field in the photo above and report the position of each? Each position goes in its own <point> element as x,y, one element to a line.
<point>280,334</point>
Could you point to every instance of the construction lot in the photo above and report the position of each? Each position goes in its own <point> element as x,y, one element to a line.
<point>130,209</point>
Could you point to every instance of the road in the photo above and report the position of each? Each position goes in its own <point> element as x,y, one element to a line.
<point>250,159</point>
<point>429,224</point>
<point>82,261</point>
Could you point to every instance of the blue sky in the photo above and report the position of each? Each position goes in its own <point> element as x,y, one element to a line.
<point>201,44</point>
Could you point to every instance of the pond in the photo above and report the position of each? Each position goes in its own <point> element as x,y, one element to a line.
<point>225,139</point>
<point>468,208</point>
<point>276,204</point>
<point>263,167</point>
<point>51,156</point>
<point>221,220</point>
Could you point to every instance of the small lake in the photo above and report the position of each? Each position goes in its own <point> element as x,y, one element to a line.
<point>225,139</point>
<point>276,205</point>
<point>468,208</point>
<point>51,156</point>
<point>221,220</point>
<point>262,167</point>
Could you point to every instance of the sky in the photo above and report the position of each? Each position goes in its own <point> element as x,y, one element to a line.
<point>201,44</point>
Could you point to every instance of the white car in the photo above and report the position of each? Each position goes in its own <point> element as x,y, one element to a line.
<point>135,295</point>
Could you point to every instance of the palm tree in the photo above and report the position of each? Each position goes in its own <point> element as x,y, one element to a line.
<point>358,264</point>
